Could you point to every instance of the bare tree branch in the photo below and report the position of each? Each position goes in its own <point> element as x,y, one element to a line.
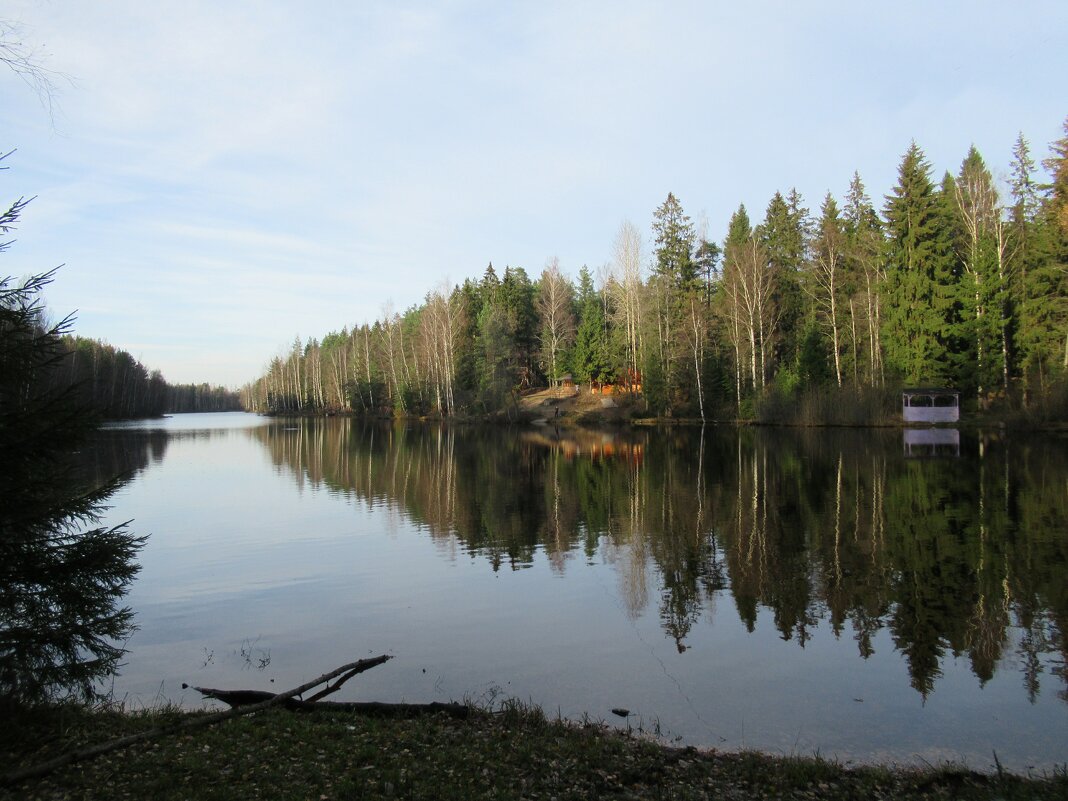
<point>27,61</point>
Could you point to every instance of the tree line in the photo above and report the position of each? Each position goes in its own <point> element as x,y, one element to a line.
<point>116,386</point>
<point>106,382</point>
<point>950,283</point>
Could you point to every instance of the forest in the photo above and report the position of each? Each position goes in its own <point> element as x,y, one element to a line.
<point>102,381</point>
<point>953,282</point>
<point>111,384</point>
<point>118,387</point>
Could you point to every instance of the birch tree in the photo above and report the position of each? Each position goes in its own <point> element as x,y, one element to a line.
<point>696,333</point>
<point>627,285</point>
<point>983,258</point>
<point>440,325</point>
<point>864,244</point>
<point>749,291</point>
<point>825,274</point>
<point>553,303</point>
<point>730,306</point>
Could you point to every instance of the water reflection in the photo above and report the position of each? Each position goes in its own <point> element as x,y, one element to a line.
<point>963,558</point>
<point>62,626</point>
<point>931,442</point>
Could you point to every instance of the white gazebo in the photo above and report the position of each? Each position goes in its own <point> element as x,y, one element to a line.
<point>930,405</point>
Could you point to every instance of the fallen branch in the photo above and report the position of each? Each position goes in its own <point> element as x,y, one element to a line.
<point>43,769</point>
<point>240,698</point>
<point>327,690</point>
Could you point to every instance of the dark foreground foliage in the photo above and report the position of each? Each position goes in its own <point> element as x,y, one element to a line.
<point>513,753</point>
<point>61,575</point>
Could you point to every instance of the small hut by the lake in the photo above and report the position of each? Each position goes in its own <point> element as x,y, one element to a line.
<point>930,405</point>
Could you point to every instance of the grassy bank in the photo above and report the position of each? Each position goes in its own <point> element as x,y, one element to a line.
<point>514,753</point>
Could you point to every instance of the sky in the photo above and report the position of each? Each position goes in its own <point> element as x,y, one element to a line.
<point>218,178</point>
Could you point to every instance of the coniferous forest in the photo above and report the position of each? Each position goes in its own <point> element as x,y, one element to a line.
<point>803,314</point>
<point>117,386</point>
<point>101,380</point>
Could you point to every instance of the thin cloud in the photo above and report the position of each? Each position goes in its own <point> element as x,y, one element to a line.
<point>231,175</point>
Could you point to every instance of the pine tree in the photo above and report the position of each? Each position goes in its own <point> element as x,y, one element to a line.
<point>706,262</point>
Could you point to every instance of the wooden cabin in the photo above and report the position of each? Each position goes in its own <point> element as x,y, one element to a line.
<point>928,405</point>
<point>631,381</point>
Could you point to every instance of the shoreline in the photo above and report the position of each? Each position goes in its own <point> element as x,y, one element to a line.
<point>594,422</point>
<point>514,751</point>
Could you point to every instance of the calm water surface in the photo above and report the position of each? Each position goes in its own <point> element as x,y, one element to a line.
<point>782,590</point>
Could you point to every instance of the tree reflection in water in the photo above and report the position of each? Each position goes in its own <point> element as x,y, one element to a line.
<point>61,576</point>
<point>965,556</point>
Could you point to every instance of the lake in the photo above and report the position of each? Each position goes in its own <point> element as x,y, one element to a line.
<point>841,591</point>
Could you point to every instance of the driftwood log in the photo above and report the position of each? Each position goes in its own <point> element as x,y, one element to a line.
<point>239,698</point>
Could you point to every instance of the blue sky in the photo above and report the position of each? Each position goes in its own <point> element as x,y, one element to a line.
<point>220,177</point>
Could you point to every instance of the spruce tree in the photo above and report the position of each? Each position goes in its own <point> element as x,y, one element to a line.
<point>955,358</point>
<point>912,323</point>
<point>517,295</point>
<point>1057,164</point>
<point>1025,191</point>
<point>1051,286</point>
<point>675,238</point>
<point>739,229</point>
<point>61,577</point>
<point>1038,279</point>
<point>674,280</point>
<point>589,357</point>
<point>468,296</point>
<point>784,234</point>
